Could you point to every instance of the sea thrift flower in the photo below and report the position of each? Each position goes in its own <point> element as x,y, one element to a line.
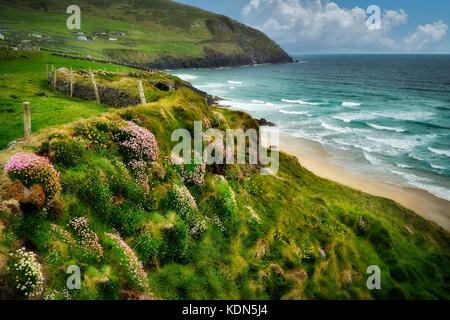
<point>28,278</point>
<point>181,200</point>
<point>87,239</point>
<point>129,262</point>
<point>31,169</point>
<point>137,143</point>
<point>190,174</point>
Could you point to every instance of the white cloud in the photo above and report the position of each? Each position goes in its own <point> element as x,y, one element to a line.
<point>323,25</point>
<point>426,35</point>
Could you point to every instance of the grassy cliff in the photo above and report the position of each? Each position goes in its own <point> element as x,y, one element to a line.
<point>160,230</point>
<point>148,33</point>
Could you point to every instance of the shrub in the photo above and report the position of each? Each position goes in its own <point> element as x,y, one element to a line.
<point>132,267</point>
<point>67,152</point>
<point>181,200</point>
<point>218,120</point>
<point>146,246</point>
<point>174,244</point>
<point>88,244</point>
<point>190,174</point>
<point>96,137</point>
<point>251,187</point>
<point>137,143</point>
<point>226,196</point>
<point>26,272</point>
<point>30,170</point>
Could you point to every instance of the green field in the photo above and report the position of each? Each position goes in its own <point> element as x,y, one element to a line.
<point>290,236</point>
<point>154,29</point>
<point>24,80</point>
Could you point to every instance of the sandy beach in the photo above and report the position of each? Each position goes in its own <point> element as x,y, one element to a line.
<point>314,158</point>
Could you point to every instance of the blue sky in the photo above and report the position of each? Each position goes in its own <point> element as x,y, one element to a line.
<point>339,26</point>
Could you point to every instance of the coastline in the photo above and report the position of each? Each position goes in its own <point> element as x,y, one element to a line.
<point>313,157</point>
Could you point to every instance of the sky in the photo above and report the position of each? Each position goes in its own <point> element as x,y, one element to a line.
<point>341,26</point>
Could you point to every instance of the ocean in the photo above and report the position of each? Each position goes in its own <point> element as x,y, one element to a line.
<point>386,116</point>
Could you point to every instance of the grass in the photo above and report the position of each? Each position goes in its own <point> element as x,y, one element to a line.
<point>312,238</point>
<point>24,80</point>
<point>154,29</point>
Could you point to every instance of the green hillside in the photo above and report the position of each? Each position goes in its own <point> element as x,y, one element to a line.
<point>149,33</point>
<point>141,226</point>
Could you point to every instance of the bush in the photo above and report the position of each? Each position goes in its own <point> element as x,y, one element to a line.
<point>174,244</point>
<point>146,246</point>
<point>26,273</point>
<point>181,200</point>
<point>137,143</point>
<point>226,197</point>
<point>88,244</point>
<point>67,153</point>
<point>31,170</point>
<point>218,120</point>
<point>132,267</point>
<point>190,174</point>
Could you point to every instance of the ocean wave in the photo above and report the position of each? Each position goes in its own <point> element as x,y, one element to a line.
<point>349,117</point>
<point>234,82</point>
<point>186,77</point>
<point>423,183</point>
<point>406,116</point>
<point>302,102</point>
<point>372,159</point>
<point>434,166</point>
<point>258,101</point>
<point>386,128</point>
<point>293,112</point>
<point>350,104</point>
<point>337,129</point>
<point>402,144</point>
<point>404,166</point>
<point>440,152</point>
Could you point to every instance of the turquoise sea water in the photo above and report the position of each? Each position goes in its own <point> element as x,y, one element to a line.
<point>383,115</point>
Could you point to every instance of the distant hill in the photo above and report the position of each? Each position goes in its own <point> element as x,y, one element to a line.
<point>147,33</point>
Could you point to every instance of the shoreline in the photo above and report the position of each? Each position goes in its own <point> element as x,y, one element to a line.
<point>313,157</point>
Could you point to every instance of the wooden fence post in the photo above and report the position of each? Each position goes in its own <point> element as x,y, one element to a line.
<point>95,88</point>
<point>26,119</point>
<point>46,69</point>
<point>141,92</point>
<point>71,82</point>
<point>54,80</point>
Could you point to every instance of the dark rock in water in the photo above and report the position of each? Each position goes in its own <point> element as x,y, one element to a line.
<point>264,122</point>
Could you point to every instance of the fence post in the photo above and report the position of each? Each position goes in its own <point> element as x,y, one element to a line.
<point>26,119</point>
<point>54,80</point>
<point>141,92</point>
<point>71,82</point>
<point>46,69</point>
<point>97,97</point>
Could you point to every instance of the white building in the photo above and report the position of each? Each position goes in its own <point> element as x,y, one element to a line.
<point>113,39</point>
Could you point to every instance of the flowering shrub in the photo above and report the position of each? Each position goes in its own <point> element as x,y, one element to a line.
<point>218,120</point>
<point>90,249</point>
<point>26,273</point>
<point>226,195</point>
<point>95,133</point>
<point>182,201</point>
<point>139,169</point>
<point>30,170</point>
<point>67,152</point>
<point>137,143</point>
<point>130,263</point>
<point>206,122</point>
<point>190,174</point>
<point>251,187</point>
